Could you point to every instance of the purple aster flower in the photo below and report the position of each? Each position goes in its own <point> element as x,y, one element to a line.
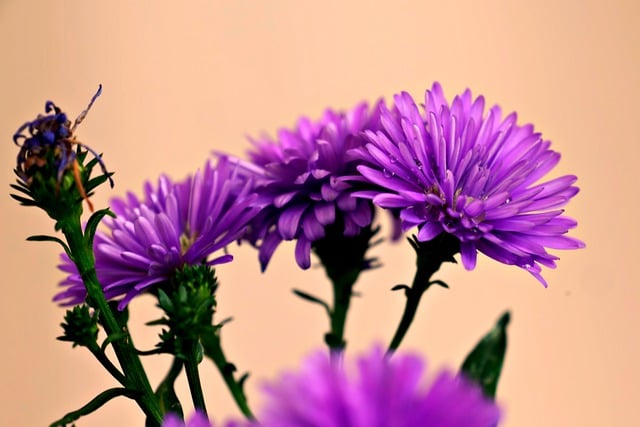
<point>455,169</point>
<point>380,391</point>
<point>198,419</point>
<point>176,224</point>
<point>301,174</point>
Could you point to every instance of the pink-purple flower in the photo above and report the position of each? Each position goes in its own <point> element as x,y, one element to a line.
<point>176,223</point>
<point>377,390</point>
<point>455,169</point>
<point>197,419</point>
<point>300,173</point>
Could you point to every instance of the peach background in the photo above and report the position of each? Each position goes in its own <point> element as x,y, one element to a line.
<point>182,80</point>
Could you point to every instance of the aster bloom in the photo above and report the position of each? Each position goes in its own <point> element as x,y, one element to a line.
<point>301,174</point>
<point>380,391</point>
<point>176,224</point>
<point>198,419</point>
<point>456,170</point>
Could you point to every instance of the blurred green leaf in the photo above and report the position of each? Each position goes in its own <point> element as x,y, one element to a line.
<point>484,364</point>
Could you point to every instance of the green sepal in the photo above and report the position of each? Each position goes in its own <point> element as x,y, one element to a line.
<point>95,182</point>
<point>92,224</point>
<point>93,405</point>
<point>21,187</point>
<point>188,301</point>
<point>23,200</point>
<point>45,238</point>
<point>484,364</point>
<point>312,299</point>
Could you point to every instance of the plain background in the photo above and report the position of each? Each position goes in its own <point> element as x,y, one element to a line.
<point>184,78</point>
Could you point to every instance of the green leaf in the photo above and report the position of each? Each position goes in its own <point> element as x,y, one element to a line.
<point>45,238</point>
<point>94,404</point>
<point>92,225</point>
<point>313,299</point>
<point>484,364</point>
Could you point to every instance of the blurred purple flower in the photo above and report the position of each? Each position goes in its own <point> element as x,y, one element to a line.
<point>456,170</point>
<point>198,419</point>
<point>301,173</point>
<point>380,391</point>
<point>176,224</point>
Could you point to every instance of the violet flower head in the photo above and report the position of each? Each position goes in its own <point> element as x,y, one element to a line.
<point>455,169</point>
<point>176,224</point>
<point>301,173</point>
<point>198,419</point>
<point>380,391</point>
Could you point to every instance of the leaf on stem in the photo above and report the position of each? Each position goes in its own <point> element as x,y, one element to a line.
<point>45,238</point>
<point>92,224</point>
<point>94,404</point>
<point>484,364</point>
<point>312,299</point>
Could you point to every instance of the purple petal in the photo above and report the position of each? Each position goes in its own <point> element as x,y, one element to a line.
<point>468,254</point>
<point>303,253</point>
<point>429,231</point>
<point>289,221</point>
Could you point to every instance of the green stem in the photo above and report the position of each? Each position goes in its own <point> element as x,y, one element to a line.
<point>213,349</point>
<point>430,256</point>
<point>106,363</point>
<point>166,394</point>
<point>134,373</point>
<point>193,377</point>
<point>342,292</point>
<point>343,258</point>
<point>413,294</point>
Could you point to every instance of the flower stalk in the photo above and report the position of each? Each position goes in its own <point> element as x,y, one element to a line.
<point>135,377</point>
<point>193,376</point>
<point>212,347</point>
<point>430,256</point>
<point>343,258</point>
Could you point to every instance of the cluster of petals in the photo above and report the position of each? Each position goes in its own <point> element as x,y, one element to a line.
<point>376,390</point>
<point>175,224</point>
<point>454,169</point>
<point>301,174</point>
